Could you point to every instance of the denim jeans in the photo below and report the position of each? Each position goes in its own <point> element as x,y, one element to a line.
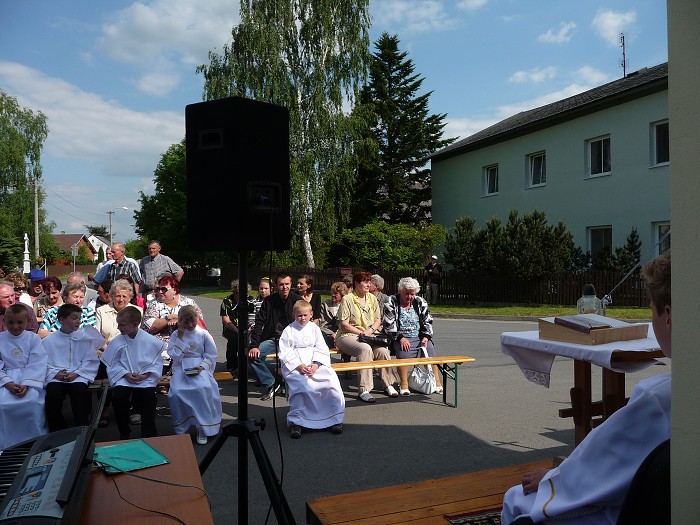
<point>260,367</point>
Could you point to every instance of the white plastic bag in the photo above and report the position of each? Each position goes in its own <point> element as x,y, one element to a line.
<point>421,379</point>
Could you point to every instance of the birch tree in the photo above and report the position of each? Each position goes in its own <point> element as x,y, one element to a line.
<point>310,56</point>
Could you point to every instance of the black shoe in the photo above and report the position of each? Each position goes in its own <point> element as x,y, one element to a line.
<point>269,392</point>
<point>337,428</point>
<point>295,431</point>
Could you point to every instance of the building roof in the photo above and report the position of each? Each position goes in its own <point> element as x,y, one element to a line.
<point>635,85</point>
<point>67,240</point>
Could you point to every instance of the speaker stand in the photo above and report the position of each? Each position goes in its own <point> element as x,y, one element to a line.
<point>247,430</point>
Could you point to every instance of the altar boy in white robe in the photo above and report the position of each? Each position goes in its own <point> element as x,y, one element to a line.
<point>194,393</point>
<point>72,364</point>
<point>22,372</point>
<point>589,487</point>
<point>315,397</point>
<point>134,364</point>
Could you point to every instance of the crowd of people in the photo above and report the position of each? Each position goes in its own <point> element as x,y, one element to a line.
<point>133,329</point>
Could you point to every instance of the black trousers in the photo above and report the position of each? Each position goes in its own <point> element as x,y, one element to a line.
<point>144,402</point>
<point>53,405</point>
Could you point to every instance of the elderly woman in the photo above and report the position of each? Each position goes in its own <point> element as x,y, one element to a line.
<point>376,288</point>
<point>120,293</point>
<point>329,313</point>
<point>359,315</point>
<point>72,293</point>
<point>21,285</point>
<point>160,318</point>
<point>407,321</point>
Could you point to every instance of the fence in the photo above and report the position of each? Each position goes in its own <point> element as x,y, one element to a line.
<point>563,288</point>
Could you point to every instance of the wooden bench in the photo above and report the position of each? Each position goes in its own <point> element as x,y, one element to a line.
<point>447,364</point>
<point>424,502</point>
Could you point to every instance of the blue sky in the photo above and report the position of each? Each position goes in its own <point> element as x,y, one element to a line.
<point>114,77</point>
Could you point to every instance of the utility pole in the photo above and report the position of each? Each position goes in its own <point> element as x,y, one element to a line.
<point>110,213</point>
<point>623,60</point>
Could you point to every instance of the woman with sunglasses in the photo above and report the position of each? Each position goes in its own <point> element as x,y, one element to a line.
<point>160,318</point>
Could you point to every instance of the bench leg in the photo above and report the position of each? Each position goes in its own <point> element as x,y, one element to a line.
<point>449,372</point>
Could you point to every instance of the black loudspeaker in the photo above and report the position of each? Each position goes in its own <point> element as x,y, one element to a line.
<point>238,195</point>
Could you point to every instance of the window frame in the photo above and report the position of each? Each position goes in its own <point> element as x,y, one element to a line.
<point>655,128</point>
<point>488,170</point>
<point>531,158</point>
<point>590,232</point>
<point>660,229</point>
<point>603,139</point>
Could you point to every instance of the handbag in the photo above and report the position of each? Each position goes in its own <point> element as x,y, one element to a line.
<point>374,340</point>
<point>421,379</point>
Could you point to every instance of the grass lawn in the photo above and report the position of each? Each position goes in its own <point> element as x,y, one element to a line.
<point>454,310</point>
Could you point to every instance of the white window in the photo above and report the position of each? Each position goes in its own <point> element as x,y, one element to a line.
<point>537,169</point>
<point>600,240</point>
<point>662,231</point>
<point>659,139</point>
<point>491,180</point>
<point>598,156</point>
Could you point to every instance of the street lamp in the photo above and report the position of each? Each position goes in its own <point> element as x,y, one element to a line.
<point>110,213</point>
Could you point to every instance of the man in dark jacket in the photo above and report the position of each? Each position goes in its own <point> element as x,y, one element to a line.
<point>272,318</point>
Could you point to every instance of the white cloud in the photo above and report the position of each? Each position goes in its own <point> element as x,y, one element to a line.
<point>563,35</point>
<point>465,127</point>
<point>471,5</point>
<point>592,76</point>
<point>411,16</point>
<point>117,140</point>
<point>609,24</point>
<point>158,82</point>
<point>165,34</point>
<point>534,76</point>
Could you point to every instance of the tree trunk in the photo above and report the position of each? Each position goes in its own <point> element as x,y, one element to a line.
<point>306,240</point>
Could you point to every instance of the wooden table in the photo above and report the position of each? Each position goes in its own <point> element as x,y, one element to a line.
<point>535,357</point>
<point>104,506</point>
<point>423,502</point>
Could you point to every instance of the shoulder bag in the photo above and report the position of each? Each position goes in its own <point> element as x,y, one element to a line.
<point>421,379</point>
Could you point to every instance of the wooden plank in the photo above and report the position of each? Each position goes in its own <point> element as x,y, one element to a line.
<point>390,363</point>
<point>420,502</point>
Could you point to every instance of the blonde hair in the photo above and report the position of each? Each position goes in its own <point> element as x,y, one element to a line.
<point>301,303</point>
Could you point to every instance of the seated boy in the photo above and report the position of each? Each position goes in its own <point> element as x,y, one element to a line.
<point>22,372</point>
<point>72,364</point>
<point>589,487</point>
<point>315,397</point>
<point>134,364</point>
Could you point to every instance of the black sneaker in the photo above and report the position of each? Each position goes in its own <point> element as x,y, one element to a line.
<point>295,431</point>
<point>269,392</point>
<point>337,428</point>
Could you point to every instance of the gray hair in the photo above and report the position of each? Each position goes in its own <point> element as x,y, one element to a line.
<point>378,281</point>
<point>122,284</point>
<point>408,283</point>
<point>70,288</point>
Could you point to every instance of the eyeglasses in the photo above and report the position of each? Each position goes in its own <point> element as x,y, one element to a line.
<point>161,289</point>
<point>19,289</point>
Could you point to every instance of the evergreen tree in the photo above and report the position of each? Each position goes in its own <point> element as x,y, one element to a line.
<point>629,255</point>
<point>394,179</point>
<point>309,56</point>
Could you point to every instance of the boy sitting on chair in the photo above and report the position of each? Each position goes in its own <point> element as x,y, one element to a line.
<point>134,364</point>
<point>315,397</point>
<point>72,364</point>
<point>22,373</point>
<point>590,485</point>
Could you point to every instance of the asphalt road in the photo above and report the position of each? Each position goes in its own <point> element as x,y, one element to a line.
<point>501,419</point>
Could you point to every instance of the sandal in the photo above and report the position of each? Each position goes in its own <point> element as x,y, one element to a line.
<point>439,390</point>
